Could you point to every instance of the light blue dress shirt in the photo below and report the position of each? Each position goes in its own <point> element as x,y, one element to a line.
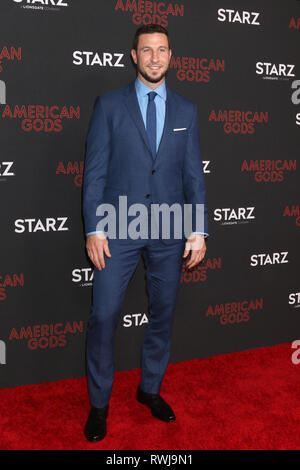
<point>142,91</point>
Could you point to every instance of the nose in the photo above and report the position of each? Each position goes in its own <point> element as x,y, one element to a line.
<point>154,56</point>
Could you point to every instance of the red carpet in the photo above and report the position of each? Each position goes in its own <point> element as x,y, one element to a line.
<point>245,400</point>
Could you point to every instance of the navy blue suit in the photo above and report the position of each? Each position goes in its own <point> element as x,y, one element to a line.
<point>119,162</point>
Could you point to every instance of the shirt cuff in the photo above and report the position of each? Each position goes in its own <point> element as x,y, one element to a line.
<point>92,233</point>
<point>200,233</point>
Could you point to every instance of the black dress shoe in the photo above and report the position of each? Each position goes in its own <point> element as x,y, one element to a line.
<point>159,408</point>
<point>95,428</point>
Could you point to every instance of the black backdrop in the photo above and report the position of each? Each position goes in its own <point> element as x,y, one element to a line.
<point>226,57</point>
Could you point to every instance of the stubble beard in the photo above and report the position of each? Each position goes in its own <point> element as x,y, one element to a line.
<point>149,78</point>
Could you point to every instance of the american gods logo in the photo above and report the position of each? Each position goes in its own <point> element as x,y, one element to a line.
<point>73,169</point>
<point>294,23</point>
<point>146,12</point>
<point>45,336</point>
<point>230,313</point>
<point>294,212</point>
<point>199,273</point>
<point>9,54</point>
<point>8,281</point>
<point>41,118</point>
<point>196,69</point>
<point>268,171</point>
<point>238,122</point>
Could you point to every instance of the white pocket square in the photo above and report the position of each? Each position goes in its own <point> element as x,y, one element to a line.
<point>180,129</point>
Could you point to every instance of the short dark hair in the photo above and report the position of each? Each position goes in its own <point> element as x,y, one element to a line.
<point>149,29</point>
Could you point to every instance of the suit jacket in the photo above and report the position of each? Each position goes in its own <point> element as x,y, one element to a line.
<point>119,160</point>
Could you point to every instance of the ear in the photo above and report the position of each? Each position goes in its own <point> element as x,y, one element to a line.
<point>133,55</point>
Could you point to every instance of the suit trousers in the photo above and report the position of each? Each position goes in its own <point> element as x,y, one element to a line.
<point>163,269</point>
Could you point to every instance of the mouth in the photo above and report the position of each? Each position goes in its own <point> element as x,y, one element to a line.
<point>154,67</point>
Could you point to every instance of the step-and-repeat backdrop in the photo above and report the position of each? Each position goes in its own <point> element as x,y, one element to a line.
<point>239,61</point>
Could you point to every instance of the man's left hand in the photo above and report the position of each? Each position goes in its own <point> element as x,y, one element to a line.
<point>196,243</point>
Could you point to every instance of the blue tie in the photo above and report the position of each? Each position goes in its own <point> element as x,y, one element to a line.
<point>151,122</point>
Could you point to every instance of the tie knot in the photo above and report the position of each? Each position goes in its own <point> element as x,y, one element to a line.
<point>152,95</point>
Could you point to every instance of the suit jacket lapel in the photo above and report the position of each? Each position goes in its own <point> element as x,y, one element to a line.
<point>169,120</point>
<point>133,106</point>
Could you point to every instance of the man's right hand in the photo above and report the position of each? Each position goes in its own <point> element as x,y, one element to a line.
<point>96,246</point>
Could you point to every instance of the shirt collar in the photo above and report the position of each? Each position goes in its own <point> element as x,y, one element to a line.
<point>142,89</point>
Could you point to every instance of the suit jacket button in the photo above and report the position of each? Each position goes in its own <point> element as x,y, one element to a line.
<point>153,171</point>
<point>147,195</point>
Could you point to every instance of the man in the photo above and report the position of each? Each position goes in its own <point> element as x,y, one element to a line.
<point>143,143</point>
